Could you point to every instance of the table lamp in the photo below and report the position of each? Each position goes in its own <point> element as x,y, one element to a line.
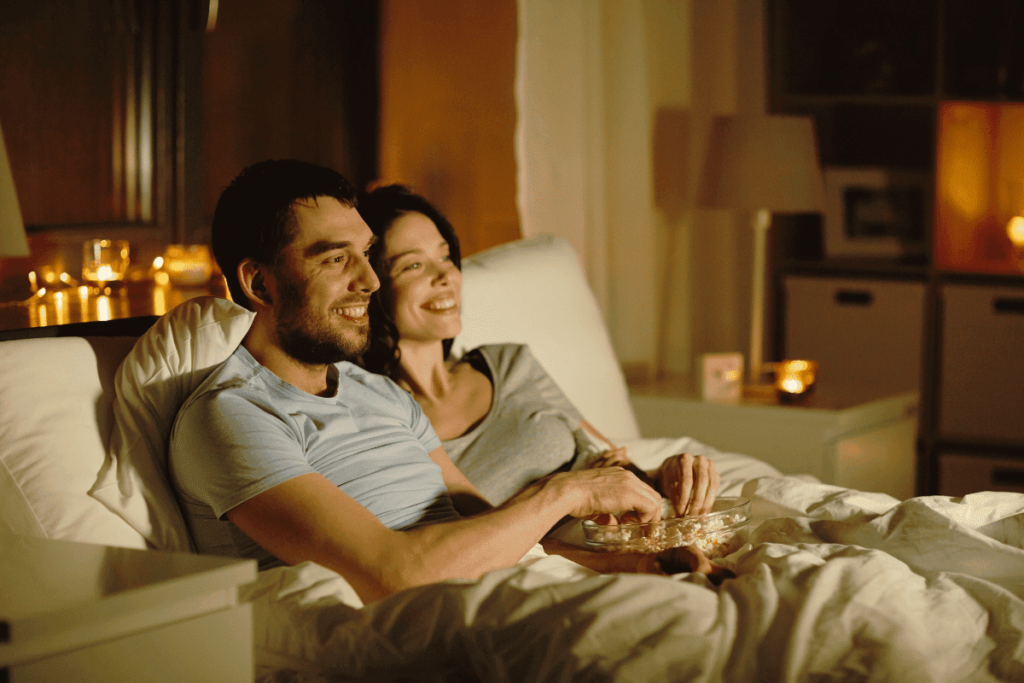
<point>762,164</point>
<point>12,229</point>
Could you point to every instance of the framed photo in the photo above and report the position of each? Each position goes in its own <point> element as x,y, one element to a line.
<point>876,212</point>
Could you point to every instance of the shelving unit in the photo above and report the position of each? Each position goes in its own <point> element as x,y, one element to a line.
<point>936,88</point>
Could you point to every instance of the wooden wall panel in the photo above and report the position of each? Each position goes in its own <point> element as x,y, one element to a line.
<point>289,79</point>
<point>447,125</point>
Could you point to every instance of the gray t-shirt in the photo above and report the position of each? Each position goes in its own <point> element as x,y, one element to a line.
<point>529,431</point>
<point>245,430</point>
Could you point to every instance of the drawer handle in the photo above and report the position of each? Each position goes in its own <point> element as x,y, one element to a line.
<point>854,297</point>
<point>1002,476</point>
<point>1005,304</point>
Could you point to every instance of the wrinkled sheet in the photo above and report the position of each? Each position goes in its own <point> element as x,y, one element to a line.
<point>832,585</point>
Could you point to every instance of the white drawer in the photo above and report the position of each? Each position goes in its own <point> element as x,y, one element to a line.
<point>865,334</point>
<point>962,474</point>
<point>982,366</point>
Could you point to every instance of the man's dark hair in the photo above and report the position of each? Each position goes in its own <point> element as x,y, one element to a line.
<point>380,209</point>
<point>254,216</point>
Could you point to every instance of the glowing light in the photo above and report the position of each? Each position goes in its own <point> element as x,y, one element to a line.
<point>60,307</point>
<point>159,299</point>
<point>1015,231</point>
<point>33,281</point>
<point>158,263</point>
<point>792,385</point>
<point>794,378</point>
<point>104,260</point>
<point>103,308</point>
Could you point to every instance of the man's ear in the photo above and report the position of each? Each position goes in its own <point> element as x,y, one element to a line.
<point>252,279</point>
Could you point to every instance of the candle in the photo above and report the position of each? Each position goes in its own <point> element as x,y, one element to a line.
<point>104,260</point>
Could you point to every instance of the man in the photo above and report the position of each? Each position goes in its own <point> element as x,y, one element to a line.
<point>288,452</point>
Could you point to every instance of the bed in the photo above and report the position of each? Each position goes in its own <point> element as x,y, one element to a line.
<point>831,584</point>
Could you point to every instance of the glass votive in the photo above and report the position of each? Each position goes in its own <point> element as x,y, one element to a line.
<point>188,265</point>
<point>104,260</point>
<point>794,379</point>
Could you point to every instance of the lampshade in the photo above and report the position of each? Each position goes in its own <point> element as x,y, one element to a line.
<point>12,229</point>
<point>762,162</point>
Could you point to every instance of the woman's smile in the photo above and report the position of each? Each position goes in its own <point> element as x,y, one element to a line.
<point>442,304</point>
<point>425,285</point>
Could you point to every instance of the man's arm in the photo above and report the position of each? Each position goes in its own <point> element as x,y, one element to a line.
<point>307,518</point>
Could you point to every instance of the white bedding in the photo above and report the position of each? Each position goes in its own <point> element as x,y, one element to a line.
<point>834,585</point>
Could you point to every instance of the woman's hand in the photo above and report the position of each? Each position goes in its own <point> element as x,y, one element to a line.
<point>690,558</point>
<point>616,456</point>
<point>689,482</point>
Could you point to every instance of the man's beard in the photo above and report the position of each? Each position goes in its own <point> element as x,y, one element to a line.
<point>309,338</point>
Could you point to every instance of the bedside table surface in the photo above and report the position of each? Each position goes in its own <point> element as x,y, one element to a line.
<point>868,445</point>
<point>62,597</point>
<point>46,576</point>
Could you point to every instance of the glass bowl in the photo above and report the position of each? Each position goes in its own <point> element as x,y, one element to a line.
<point>717,533</point>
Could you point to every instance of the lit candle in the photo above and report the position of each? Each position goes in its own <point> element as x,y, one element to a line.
<point>794,379</point>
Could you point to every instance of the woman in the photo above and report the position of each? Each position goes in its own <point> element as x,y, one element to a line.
<point>499,415</point>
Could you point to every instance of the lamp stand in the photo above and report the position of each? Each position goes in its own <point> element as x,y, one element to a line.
<point>762,220</point>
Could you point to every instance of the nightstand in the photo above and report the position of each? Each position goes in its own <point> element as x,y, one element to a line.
<point>868,445</point>
<point>82,612</point>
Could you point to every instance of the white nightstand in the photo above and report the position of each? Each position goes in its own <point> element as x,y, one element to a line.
<point>869,445</point>
<point>81,612</point>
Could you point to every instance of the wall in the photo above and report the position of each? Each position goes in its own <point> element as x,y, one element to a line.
<point>594,80</point>
<point>447,113</point>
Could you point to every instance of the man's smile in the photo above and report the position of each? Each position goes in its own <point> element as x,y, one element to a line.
<point>355,313</point>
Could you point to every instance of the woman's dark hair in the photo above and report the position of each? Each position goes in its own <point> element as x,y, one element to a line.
<point>380,209</point>
<point>254,216</point>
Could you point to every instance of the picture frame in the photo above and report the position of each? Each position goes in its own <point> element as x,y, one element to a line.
<point>876,212</point>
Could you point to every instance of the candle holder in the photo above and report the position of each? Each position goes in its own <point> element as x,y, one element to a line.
<point>794,379</point>
<point>104,261</point>
<point>188,265</point>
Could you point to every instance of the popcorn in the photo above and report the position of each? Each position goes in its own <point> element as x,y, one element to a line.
<point>717,533</point>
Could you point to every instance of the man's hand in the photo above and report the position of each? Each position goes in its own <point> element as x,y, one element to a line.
<point>689,482</point>
<point>610,490</point>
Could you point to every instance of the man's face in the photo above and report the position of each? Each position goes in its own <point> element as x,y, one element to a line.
<point>323,284</point>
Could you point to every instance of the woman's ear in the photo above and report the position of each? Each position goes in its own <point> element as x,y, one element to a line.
<point>252,280</point>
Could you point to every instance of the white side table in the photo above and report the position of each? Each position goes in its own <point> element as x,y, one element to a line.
<point>81,612</point>
<point>868,445</point>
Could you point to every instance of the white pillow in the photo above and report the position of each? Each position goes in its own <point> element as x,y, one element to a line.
<point>533,291</point>
<point>55,420</point>
<point>166,365</point>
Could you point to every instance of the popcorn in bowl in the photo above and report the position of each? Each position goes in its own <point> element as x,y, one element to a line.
<point>717,533</point>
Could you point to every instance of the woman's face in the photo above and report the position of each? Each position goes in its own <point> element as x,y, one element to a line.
<point>426,287</point>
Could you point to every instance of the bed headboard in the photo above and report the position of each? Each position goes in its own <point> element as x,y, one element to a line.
<point>59,417</point>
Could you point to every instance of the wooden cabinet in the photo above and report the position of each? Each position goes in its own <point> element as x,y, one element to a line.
<point>964,473</point>
<point>865,334</point>
<point>981,392</point>
<point>933,87</point>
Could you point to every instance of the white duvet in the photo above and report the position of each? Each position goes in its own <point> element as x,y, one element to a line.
<point>833,585</point>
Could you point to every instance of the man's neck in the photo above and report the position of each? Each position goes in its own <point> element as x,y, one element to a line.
<point>262,343</point>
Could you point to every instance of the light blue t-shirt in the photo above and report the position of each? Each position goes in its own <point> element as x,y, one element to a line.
<point>245,430</point>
